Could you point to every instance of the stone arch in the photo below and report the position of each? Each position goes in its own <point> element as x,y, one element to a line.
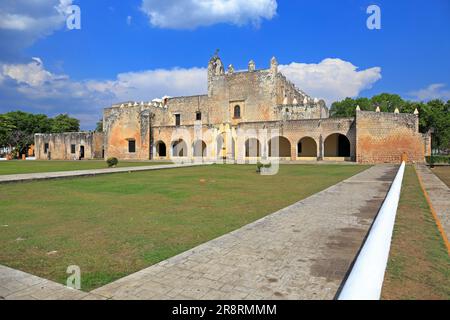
<point>306,147</point>
<point>284,147</point>
<point>336,145</point>
<point>225,150</point>
<point>199,148</point>
<point>161,149</point>
<point>179,148</point>
<point>252,147</point>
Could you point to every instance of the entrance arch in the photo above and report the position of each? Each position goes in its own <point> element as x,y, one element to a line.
<point>179,148</point>
<point>337,145</point>
<point>284,147</point>
<point>161,150</point>
<point>307,147</point>
<point>199,148</point>
<point>252,147</point>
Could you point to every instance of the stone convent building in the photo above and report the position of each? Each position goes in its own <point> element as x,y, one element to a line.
<point>227,122</point>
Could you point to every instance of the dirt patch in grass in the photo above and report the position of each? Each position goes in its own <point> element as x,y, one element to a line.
<point>113,225</point>
<point>443,172</point>
<point>419,265</point>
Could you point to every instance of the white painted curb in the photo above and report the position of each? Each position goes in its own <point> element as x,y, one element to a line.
<point>366,277</point>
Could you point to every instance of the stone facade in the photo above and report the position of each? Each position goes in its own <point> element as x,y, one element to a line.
<point>384,137</point>
<point>69,146</point>
<point>242,116</point>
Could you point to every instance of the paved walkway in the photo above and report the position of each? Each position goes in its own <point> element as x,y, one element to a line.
<point>300,252</point>
<point>92,172</point>
<point>18,285</point>
<point>439,194</point>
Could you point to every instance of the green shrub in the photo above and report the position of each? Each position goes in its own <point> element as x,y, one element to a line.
<point>437,159</point>
<point>259,165</point>
<point>112,162</point>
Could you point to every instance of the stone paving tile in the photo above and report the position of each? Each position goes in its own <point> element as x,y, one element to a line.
<point>80,173</point>
<point>18,285</point>
<point>439,194</point>
<point>300,252</point>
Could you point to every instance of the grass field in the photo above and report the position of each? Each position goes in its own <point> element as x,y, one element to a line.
<point>20,166</point>
<point>443,172</point>
<point>113,225</point>
<point>419,265</point>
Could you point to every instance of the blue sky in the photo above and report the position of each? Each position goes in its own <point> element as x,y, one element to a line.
<point>143,49</point>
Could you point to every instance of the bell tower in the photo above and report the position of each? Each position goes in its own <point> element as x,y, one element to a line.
<point>215,68</point>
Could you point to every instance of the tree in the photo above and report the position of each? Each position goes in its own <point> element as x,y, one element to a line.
<point>438,118</point>
<point>346,108</point>
<point>25,125</point>
<point>99,127</point>
<point>6,127</point>
<point>387,102</point>
<point>17,128</point>
<point>64,123</point>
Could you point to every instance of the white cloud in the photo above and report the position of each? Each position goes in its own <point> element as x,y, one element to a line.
<point>190,14</point>
<point>331,79</point>
<point>22,22</point>
<point>33,86</point>
<point>433,91</point>
<point>32,74</point>
<point>129,20</point>
<point>146,85</point>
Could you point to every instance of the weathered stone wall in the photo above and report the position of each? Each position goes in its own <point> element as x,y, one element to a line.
<point>222,140</point>
<point>262,95</point>
<point>267,99</point>
<point>383,137</point>
<point>125,123</point>
<point>60,145</point>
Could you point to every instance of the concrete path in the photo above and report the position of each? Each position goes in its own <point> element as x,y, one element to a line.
<point>91,172</point>
<point>18,285</point>
<point>300,252</point>
<point>439,195</point>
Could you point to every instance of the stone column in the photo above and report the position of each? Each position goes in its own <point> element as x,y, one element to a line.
<point>320,148</point>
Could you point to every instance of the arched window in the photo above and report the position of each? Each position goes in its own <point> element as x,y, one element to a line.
<point>237,111</point>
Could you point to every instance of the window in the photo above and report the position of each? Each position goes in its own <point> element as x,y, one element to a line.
<point>45,147</point>
<point>177,119</point>
<point>72,148</point>
<point>198,115</point>
<point>131,146</point>
<point>237,111</point>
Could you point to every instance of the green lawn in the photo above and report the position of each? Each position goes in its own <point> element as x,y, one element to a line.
<point>32,166</point>
<point>419,265</point>
<point>113,225</point>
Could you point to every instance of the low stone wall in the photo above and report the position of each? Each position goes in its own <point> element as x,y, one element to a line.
<point>383,137</point>
<point>69,146</point>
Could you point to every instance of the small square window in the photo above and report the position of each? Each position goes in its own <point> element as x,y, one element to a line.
<point>72,148</point>
<point>177,119</point>
<point>198,115</point>
<point>131,146</point>
<point>45,147</point>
